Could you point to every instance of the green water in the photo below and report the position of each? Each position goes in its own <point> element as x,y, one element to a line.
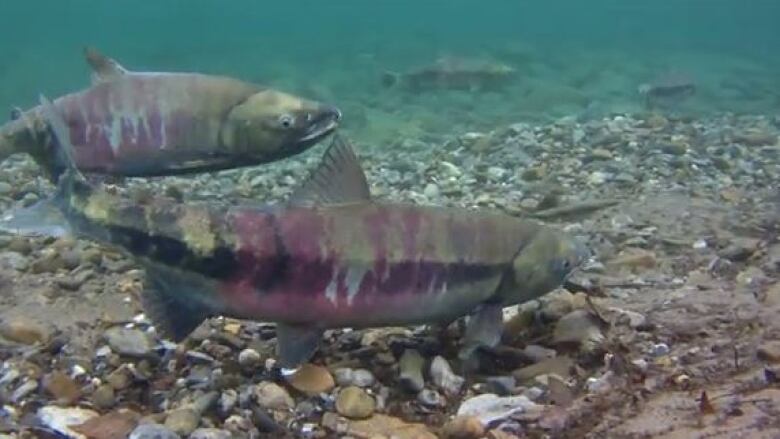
<point>573,58</point>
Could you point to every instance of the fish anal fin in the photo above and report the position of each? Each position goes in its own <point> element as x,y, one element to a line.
<point>172,307</point>
<point>103,68</point>
<point>338,179</point>
<point>296,344</point>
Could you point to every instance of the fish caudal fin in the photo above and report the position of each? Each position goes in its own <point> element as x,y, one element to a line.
<point>45,217</point>
<point>389,79</point>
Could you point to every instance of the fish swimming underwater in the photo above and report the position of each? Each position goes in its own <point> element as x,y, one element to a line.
<point>152,124</point>
<point>329,257</point>
<point>452,73</point>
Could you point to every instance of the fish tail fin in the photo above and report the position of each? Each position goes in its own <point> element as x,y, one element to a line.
<point>47,217</point>
<point>62,164</point>
<point>389,79</point>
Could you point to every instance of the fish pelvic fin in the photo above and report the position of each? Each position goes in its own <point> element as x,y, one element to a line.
<point>173,302</point>
<point>338,179</point>
<point>103,68</point>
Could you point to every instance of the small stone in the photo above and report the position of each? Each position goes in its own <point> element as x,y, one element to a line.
<point>24,331</point>
<point>769,351</point>
<point>740,250</point>
<point>489,408</point>
<point>129,341</point>
<point>119,379</point>
<point>354,403</point>
<point>249,359</point>
<point>210,433</point>
<point>227,401</point>
<point>444,378</point>
<point>312,380</point>
<point>273,396</point>
<point>383,426</point>
<point>182,421</point>
<point>558,365</point>
<point>600,154</point>
<point>61,419</point>
<point>61,387</point>
<point>104,397</point>
<point>659,350</point>
<point>112,425</point>
<point>579,327</point>
<point>538,353</point>
<point>634,259</point>
<point>430,398</point>
<point>501,385</point>
<point>153,431</point>
<point>463,427</point>
<point>23,390</point>
<point>411,370</point>
<point>345,377</point>
<point>5,188</point>
<point>431,191</point>
<point>19,245</point>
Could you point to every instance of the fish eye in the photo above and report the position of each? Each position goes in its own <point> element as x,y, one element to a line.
<point>286,120</point>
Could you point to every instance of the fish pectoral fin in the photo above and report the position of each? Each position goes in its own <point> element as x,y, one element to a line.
<point>41,219</point>
<point>338,179</point>
<point>296,344</point>
<point>103,68</point>
<point>174,313</point>
<point>483,329</point>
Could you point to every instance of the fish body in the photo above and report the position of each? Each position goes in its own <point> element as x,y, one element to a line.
<point>330,257</point>
<point>149,124</point>
<point>453,73</point>
<point>670,87</point>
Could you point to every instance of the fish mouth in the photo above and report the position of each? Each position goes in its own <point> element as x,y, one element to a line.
<point>322,124</point>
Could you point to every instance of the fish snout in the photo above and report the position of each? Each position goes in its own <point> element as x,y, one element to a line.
<point>321,122</point>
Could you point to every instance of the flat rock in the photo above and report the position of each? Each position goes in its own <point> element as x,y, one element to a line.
<point>129,341</point>
<point>62,419</point>
<point>273,396</point>
<point>489,407</point>
<point>153,431</point>
<point>354,403</point>
<point>312,380</point>
<point>558,365</point>
<point>769,351</point>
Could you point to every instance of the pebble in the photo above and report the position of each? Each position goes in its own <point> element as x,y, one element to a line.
<point>129,341</point>
<point>210,433</point>
<point>431,191</point>
<point>463,427</point>
<point>411,370</point>
<point>227,401</point>
<point>659,350</point>
<point>23,390</point>
<point>345,376</point>
<point>354,403</point>
<point>444,378</point>
<point>489,408</point>
<point>24,331</point>
<point>312,380</point>
<point>249,358</point>
<point>273,396</point>
<point>558,365</point>
<point>579,327</point>
<point>182,421</point>
<point>5,188</point>
<point>60,419</point>
<point>430,398</point>
<point>501,385</point>
<point>103,397</point>
<point>152,431</point>
<point>538,353</point>
<point>769,351</point>
<point>61,387</point>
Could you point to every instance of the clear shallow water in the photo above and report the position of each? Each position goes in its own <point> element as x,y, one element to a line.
<point>572,57</point>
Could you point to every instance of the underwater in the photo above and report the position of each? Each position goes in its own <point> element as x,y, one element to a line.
<point>395,219</point>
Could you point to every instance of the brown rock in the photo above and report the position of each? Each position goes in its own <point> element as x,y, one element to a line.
<point>388,426</point>
<point>354,403</point>
<point>462,427</point>
<point>113,425</point>
<point>559,366</point>
<point>104,397</point>
<point>24,331</point>
<point>635,259</point>
<point>312,380</point>
<point>769,351</point>
<point>62,387</point>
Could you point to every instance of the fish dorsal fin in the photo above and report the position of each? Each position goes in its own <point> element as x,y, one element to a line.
<point>338,179</point>
<point>103,68</point>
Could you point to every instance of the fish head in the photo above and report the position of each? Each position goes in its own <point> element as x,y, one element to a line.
<point>270,125</point>
<point>544,264</point>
